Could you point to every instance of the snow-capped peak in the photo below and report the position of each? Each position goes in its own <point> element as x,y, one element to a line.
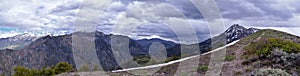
<point>25,36</point>
<point>236,32</point>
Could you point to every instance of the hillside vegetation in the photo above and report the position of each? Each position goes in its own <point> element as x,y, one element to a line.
<point>270,49</point>
<point>266,52</point>
<point>59,68</point>
<point>264,47</point>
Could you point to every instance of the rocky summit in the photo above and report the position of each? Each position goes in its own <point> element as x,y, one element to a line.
<point>236,32</point>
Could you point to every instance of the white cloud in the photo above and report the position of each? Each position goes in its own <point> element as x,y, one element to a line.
<point>36,15</point>
<point>58,16</point>
<point>8,34</point>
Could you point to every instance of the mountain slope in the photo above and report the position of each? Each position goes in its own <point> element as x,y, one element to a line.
<point>49,50</point>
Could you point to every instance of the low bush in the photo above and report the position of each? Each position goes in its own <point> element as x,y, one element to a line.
<point>202,68</point>
<point>264,47</point>
<point>238,72</point>
<point>142,59</point>
<point>229,58</point>
<point>172,58</point>
<point>59,68</point>
<point>248,69</point>
<point>62,67</point>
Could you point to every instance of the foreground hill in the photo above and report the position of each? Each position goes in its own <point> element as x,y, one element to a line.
<point>266,52</point>
<point>262,50</point>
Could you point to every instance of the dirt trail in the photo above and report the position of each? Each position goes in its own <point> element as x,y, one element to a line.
<point>236,64</point>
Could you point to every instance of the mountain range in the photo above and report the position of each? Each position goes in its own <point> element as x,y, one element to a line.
<point>38,52</point>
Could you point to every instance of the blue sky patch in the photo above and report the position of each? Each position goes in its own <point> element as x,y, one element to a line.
<point>7,29</point>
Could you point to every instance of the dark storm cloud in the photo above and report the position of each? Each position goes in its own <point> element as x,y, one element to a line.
<point>231,9</point>
<point>183,6</point>
<point>187,8</point>
<point>241,9</point>
<point>266,5</point>
<point>238,9</point>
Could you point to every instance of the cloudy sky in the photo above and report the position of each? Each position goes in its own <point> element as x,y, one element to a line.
<point>59,16</point>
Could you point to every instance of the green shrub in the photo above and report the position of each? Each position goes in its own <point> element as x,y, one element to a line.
<point>172,58</point>
<point>202,68</point>
<point>21,71</point>
<point>59,68</point>
<point>47,71</point>
<point>264,47</point>
<point>238,72</point>
<point>141,59</point>
<point>62,67</point>
<point>229,58</point>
